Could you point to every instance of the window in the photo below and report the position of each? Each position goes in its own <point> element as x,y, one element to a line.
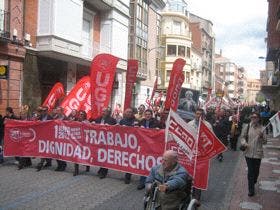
<point>182,51</point>
<point>168,73</point>
<point>171,50</point>
<point>176,27</point>
<point>87,43</point>
<point>187,77</point>
<point>2,16</point>
<point>188,52</point>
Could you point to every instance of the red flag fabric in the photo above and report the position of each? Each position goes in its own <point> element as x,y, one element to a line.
<point>208,95</point>
<point>55,94</point>
<point>132,68</point>
<point>208,144</point>
<point>77,96</point>
<point>102,73</point>
<point>154,89</point>
<point>158,99</point>
<point>175,84</point>
<point>195,149</point>
<point>128,149</point>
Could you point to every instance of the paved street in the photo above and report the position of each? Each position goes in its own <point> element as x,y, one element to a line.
<point>47,189</point>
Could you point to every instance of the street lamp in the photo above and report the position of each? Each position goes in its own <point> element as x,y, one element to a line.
<point>157,67</point>
<point>158,47</point>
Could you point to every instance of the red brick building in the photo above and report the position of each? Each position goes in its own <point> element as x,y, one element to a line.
<point>12,53</point>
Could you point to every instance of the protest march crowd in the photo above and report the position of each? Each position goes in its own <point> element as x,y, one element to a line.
<point>152,141</point>
<point>225,123</point>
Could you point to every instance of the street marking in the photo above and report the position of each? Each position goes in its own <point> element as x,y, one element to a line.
<point>250,205</point>
<point>276,171</point>
<point>270,185</point>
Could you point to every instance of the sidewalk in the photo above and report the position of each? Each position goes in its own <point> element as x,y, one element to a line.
<point>268,187</point>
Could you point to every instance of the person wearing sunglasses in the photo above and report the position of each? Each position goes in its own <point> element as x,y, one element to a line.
<point>253,138</point>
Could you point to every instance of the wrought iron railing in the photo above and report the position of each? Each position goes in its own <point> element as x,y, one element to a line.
<point>4,24</point>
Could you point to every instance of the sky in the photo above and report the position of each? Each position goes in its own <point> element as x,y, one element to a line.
<point>240,30</point>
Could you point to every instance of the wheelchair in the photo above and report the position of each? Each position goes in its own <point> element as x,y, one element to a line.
<point>188,203</point>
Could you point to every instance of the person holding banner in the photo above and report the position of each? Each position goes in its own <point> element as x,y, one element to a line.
<point>105,119</point>
<point>147,122</point>
<point>58,114</point>
<point>140,115</point>
<point>128,120</point>
<point>81,117</point>
<point>199,114</point>
<point>43,113</point>
<point>171,179</point>
<point>252,138</point>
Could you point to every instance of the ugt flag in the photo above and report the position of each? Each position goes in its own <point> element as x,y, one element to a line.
<point>275,122</point>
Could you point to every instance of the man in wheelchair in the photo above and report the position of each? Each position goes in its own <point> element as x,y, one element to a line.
<point>167,186</point>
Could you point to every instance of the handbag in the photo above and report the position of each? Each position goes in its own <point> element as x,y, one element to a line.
<point>244,147</point>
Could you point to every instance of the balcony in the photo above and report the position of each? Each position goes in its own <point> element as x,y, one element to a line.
<point>4,25</point>
<point>53,37</point>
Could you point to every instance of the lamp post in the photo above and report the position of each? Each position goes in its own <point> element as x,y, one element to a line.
<point>161,47</point>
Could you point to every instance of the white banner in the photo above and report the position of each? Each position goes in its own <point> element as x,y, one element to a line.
<point>275,122</point>
<point>184,135</point>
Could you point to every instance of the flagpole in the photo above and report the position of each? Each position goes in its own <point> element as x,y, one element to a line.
<point>266,126</point>
<point>196,149</point>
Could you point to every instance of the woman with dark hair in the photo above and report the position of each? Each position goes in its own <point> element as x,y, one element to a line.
<point>252,138</point>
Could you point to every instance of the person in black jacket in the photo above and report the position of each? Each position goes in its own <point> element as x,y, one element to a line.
<point>105,119</point>
<point>147,122</point>
<point>235,131</point>
<point>43,113</point>
<point>128,120</point>
<point>221,129</point>
<point>10,115</point>
<point>81,117</point>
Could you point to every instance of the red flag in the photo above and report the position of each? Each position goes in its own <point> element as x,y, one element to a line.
<point>132,68</point>
<point>77,96</point>
<point>195,149</point>
<point>102,73</point>
<point>55,94</point>
<point>238,113</point>
<point>154,89</point>
<point>208,144</point>
<point>158,99</point>
<point>208,94</point>
<point>175,84</point>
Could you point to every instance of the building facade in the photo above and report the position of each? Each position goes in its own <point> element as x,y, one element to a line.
<point>176,37</point>
<point>12,54</point>
<point>144,45</point>
<point>271,87</point>
<point>253,91</point>
<point>230,78</point>
<point>204,40</point>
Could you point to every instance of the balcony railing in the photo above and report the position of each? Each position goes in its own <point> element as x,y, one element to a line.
<point>4,24</point>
